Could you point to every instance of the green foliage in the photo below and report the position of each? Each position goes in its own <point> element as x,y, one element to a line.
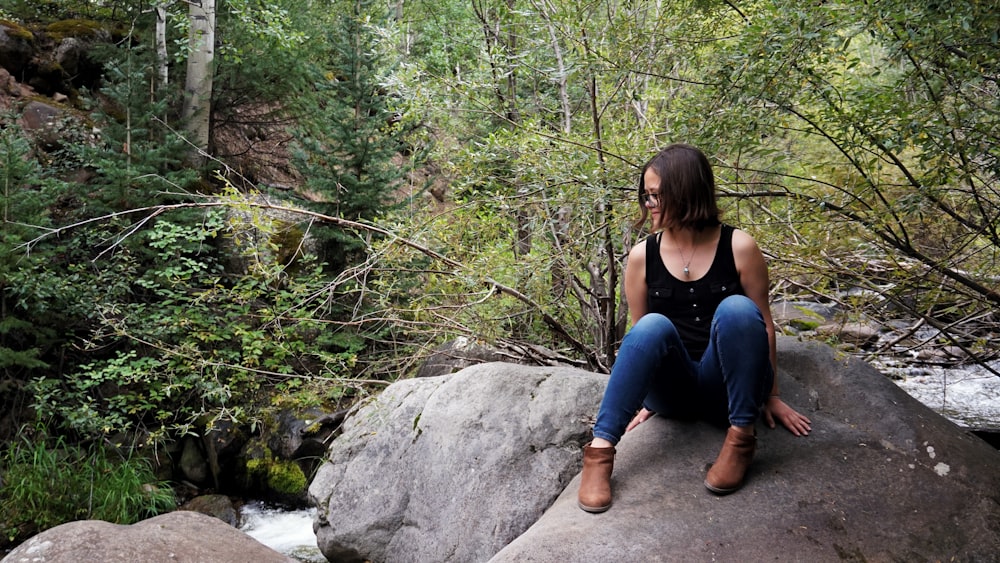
<point>39,304</point>
<point>165,323</point>
<point>48,482</point>
<point>857,143</point>
<point>172,324</point>
<point>349,144</point>
<point>266,55</point>
<point>51,292</point>
<point>880,121</point>
<point>20,199</point>
<point>875,122</point>
<point>84,19</point>
<point>443,43</point>
<point>543,180</point>
<point>271,26</point>
<point>196,342</point>
<point>137,162</point>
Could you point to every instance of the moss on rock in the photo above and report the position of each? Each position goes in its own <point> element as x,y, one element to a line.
<point>82,29</point>
<point>18,31</point>
<point>286,477</point>
<point>278,476</point>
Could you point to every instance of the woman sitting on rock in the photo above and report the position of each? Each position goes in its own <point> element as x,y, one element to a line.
<point>702,340</point>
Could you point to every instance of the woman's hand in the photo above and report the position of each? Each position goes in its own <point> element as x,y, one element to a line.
<point>640,417</point>
<point>776,409</point>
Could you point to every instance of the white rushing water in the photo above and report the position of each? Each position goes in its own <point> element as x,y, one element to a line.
<point>286,531</point>
<point>968,395</point>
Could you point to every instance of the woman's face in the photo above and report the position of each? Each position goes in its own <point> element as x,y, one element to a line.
<point>651,185</point>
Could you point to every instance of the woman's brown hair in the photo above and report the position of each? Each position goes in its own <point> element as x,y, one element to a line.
<point>687,189</point>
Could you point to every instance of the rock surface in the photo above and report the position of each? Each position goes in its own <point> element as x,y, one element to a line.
<point>176,537</point>
<point>16,47</point>
<point>456,355</point>
<point>216,506</point>
<point>452,468</point>
<point>881,478</point>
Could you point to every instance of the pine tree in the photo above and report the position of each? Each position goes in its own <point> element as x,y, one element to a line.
<point>28,294</point>
<point>347,148</point>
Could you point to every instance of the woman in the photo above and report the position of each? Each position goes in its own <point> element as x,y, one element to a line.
<point>702,340</point>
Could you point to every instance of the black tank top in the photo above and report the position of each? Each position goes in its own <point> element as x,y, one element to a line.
<point>691,305</point>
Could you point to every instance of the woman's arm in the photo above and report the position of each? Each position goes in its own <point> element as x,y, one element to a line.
<point>635,282</point>
<point>752,268</point>
<point>756,284</point>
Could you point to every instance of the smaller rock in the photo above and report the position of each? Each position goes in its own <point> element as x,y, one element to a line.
<point>69,54</point>
<point>931,355</point>
<point>457,355</point>
<point>955,352</point>
<point>264,475</point>
<point>43,123</point>
<point>291,439</point>
<point>856,334</point>
<point>16,47</point>
<point>217,506</point>
<point>8,84</point>
<point>226,438</point>
<point>177,537</point>
<point>193,465</point>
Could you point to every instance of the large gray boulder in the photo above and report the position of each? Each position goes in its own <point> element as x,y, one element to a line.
<point>176,537</point>
<point>446,469</point>
<point>454,467</point>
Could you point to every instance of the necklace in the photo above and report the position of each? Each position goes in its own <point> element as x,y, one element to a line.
<point>687,262</point>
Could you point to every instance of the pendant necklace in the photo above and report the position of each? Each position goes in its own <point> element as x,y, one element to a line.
<point>687,263</point>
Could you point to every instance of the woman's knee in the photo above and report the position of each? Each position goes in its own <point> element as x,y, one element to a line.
<point>739,312</point>
<point>740,304</point>
<point>651,328</point>
<point>654,323</point>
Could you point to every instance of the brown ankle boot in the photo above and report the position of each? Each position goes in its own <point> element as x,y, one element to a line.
<point>595,483</point>
<point>726,474</point>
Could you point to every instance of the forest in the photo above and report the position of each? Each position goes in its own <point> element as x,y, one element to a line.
<point>246,204</point>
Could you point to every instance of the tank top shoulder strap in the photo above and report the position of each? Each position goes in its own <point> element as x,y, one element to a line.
<point>656,271</point>
<point>724,258</point>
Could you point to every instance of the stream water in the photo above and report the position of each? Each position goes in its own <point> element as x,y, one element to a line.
<point>283,530</point>
<point>967,395</point>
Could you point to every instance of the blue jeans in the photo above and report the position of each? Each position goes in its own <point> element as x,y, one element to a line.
<point>730,382</point>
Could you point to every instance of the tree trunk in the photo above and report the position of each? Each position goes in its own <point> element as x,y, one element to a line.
<point>513,113</point>
<point>161,46</point>
<point>198,85</point>
<point>546,10</point>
